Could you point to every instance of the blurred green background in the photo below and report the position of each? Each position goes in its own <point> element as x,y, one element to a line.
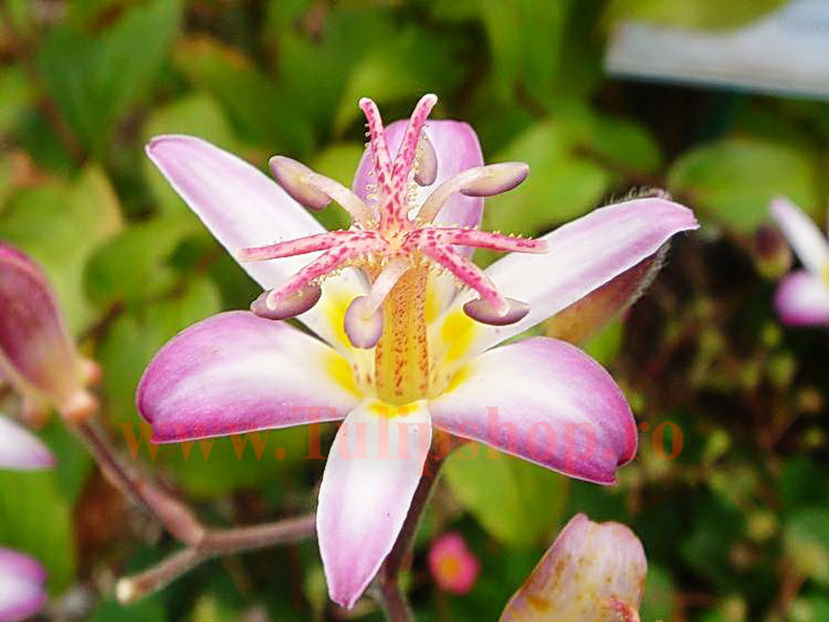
<point>730,495</point>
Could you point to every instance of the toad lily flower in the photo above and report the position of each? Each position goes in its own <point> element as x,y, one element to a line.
<point>399,347</point>
<point>37,356</point>
<point>803,297</point>
<point>21,577</point>
<point>594,572</point>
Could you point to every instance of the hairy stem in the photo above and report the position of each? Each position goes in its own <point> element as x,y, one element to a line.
<point>392,599</point>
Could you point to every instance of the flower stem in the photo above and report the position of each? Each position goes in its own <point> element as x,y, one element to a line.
<point>215,542</point>
<point>202,542</point>
<point>393,602</point>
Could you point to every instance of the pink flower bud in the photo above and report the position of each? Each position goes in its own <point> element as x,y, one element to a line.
<point>594,572</point>
<point>452,565</point>
<point>36,354</point>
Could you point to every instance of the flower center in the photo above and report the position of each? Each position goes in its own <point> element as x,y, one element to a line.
<point>396,244</point>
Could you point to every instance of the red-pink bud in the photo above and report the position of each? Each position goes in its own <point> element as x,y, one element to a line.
<point>37,355</point>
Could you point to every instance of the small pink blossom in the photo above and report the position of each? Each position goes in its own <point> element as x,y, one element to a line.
<point>453,566</point>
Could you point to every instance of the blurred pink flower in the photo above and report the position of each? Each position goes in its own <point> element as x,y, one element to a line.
<point>37,356</point>
<point>406,325</point>
<point>453,566</point>
<point>594,572</point>
<point>803,296</point>
<point>21,578</point>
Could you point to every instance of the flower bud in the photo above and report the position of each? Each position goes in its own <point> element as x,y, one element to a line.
<point>36,353</point>
<point>594,572</point>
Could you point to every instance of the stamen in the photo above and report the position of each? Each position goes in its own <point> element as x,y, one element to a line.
<point>288,306</point>
<point>364,319</point>
<point>482,311</point>
<point>315,191</point>
<point>481,181</point>
<point>426,162</point>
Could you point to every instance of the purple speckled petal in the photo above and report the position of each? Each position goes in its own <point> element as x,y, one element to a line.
<point>584,255</point>
<point>545,401</point>
<point>372,472</point>
<point>803,300</point>
<point>243,208</point>
<point>36,353</point>
<point>457,149</point>
<point>236,372</point>
<point>21,450</point>
<point>21,586</point>
<point>594,572</point>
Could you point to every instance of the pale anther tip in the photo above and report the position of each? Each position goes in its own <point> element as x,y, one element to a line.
<point>125,591</point>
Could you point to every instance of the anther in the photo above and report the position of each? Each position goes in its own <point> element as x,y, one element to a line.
<point>426,163</point>
<point>363,323</point>
<point>289,306</point>
<point>484,312</point>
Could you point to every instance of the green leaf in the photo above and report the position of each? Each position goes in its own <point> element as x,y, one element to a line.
<point>734,179</point>
<point>387,73</point>
<point>517,502</point>
<point>806,542</point>
<point>660,595</point>
<point>260,112</point>
<point>560,187</point>
<point>35,518</point>
<point>703,14</point>
<point>60,225</point>
<point>97,81</point>
<point>16,95</point>
<point>132,266</point>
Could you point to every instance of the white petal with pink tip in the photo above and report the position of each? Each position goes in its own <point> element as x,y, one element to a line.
<point>372,471</point>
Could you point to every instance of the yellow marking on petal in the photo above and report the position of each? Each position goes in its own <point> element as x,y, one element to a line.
<point>340,371</point>
<point>826,275</point>
<point>335,305</point>
<point>457,333</point>
<point>382,409</point>
<point>458,378</point>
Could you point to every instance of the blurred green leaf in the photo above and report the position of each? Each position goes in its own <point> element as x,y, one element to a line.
<point>96,81</point>
<point>660,595</point>
<point>35,518</point>
<point>261,112</point>
<point>389,73</point>
<point>517,502</point>
<point>806,541</point>
<point>704,14</point>
<point>131,266</point>
<point>15,95</point>
<point>60,225</point>
<point>734,179</point>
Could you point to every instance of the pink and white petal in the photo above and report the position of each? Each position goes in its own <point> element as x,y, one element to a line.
<point>594,572</point>
<point>457,149</point>
<point>36,352</point>
<point>22,592</point>
<point>586,317</point>
<point>244,208</point>
<point>803,300</point>
<point>21,450</point>
<point>545,401</point>
<point>803,234</point>
<point>372,471</point>
<point>584,255</point>
<point>236,372</point>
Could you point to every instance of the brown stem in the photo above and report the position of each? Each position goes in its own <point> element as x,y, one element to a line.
<point>214,542</point>
<point>392,599</point>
